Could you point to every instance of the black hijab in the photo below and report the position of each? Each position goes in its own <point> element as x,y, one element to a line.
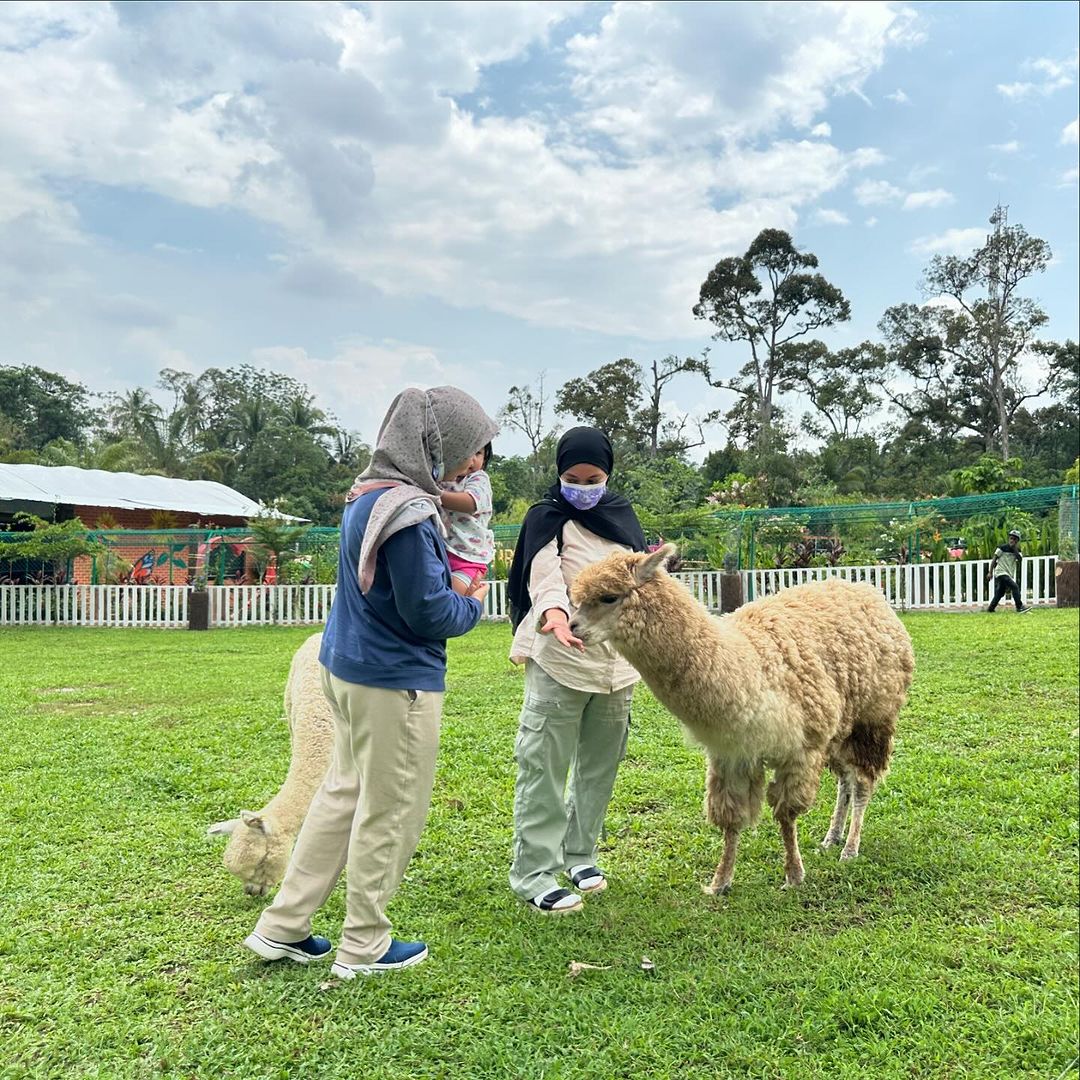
<point>612,518</point>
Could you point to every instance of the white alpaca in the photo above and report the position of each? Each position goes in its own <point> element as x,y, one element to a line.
<point>261,841</point>
<point>813,676</point>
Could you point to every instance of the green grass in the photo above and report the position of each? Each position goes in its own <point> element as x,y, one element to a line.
<point>949,949</point>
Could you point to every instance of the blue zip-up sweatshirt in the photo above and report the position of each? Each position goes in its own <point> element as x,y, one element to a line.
<point>395,636</point>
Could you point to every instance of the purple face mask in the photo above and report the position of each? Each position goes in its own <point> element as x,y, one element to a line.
<point>582,496</point>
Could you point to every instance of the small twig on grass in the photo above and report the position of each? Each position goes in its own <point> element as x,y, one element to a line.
<point>578,966</point>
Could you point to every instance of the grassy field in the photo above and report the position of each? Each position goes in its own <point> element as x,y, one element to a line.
<point>949,949</point>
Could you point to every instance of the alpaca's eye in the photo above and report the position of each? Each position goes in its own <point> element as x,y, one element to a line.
<point>610,598</point>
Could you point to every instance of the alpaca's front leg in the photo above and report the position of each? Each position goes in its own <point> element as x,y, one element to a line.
<point>733,796</point>
<point>793,867</point>
<point>725,871</point>
<point>791,793</point>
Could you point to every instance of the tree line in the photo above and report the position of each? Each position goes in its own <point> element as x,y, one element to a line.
<point>256,431</point>
<point>959,394</point>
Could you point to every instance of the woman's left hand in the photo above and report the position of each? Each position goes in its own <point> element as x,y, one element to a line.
<point>560,627</point>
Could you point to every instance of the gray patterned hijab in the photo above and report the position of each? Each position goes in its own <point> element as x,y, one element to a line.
<point>424,432</point>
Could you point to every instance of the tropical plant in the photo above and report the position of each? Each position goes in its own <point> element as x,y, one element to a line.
<point>45,548</point>
<point>275,540</point>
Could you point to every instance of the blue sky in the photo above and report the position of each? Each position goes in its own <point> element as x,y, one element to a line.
<point>371,195</point>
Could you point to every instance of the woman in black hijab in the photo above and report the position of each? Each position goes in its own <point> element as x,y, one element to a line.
<point>577,703</point>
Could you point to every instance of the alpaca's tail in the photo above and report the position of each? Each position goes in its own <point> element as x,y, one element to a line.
<point>869,747</point>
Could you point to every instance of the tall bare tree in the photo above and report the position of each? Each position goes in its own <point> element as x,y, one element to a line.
<point>768,298</point>
<point>525,410</point>
<point>955,359</point>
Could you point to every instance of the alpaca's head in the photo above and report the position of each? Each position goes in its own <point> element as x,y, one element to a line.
<point>607,592</point>
<point>256,852</point>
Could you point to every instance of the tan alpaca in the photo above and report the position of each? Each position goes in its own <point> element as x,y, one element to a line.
<point>261,841</point>
<point>811,677</point>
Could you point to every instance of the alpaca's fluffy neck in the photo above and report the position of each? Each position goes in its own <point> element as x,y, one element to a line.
<point>289,806</point>
<point>685,654</point>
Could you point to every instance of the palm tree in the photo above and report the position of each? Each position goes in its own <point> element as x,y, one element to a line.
<point>349,450</point>
<point>133,412</point>
<point>249,419</point>
<point>163,446</point>
<point>302,412</point>
<point>192,409</point>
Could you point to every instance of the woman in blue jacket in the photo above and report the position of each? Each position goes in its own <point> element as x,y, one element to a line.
<point>384,668</point>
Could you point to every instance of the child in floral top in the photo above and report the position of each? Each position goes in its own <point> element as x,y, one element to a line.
<point>470,544</point>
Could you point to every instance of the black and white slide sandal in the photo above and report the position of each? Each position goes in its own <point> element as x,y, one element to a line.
<point>587,879</point>
<point>557,902</point>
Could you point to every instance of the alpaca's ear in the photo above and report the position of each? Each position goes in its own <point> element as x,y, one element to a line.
<point>648,568</point>
<point>255,821</point>
<point>222,828</point>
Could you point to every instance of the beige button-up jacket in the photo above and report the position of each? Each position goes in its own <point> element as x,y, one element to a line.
<point>600,669</point>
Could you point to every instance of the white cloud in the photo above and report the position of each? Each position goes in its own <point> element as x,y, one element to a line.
<point>877,192</point>
<point>358,381</point>
<point>1010,147</point>
<point>899,97</point>
<point>923,200</point>
<point>831,217</point>
<point>1070,133</point>
<point>943,301</point>
<point>497,212</point>
<point>870,222</point>
<point>1048,76</point>
<point>319,120</point>
<point>646,80</point>
<point>1069,177</point>
<point>1016,90</point>
<point>950,242</point>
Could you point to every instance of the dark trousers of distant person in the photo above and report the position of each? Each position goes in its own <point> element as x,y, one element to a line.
<point>1003,584</point>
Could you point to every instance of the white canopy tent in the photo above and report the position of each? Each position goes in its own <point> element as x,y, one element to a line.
<point>39,489</point>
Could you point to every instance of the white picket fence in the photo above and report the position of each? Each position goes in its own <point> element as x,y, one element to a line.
<point>919,586</point>
<point>940,586</point>
<point>94,605</point>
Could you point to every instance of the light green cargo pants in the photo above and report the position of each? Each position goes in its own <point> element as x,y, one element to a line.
<point>557,826</point>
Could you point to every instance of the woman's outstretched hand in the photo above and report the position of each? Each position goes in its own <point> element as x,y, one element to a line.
<point>556,622</point>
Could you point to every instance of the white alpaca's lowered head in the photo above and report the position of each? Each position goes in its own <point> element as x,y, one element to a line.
<point>257,852</point>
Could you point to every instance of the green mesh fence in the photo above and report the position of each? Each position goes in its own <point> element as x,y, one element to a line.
<point>1069,526</point>
<point>180,556</point>
<point>922,530</point>
<point>934,530</point>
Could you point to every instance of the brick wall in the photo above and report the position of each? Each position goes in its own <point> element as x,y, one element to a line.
<point>121,518</point>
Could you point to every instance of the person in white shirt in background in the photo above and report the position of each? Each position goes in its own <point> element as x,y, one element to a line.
<point>576,713</point>
<point>466,512</point>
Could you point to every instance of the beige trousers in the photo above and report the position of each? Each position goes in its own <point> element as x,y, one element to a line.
<point>366,818</point>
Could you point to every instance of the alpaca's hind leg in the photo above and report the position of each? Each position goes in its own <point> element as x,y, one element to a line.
<point>864,788</point>
<point>868,749</point>
<point>733,797</point>
<point>844,785</point>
